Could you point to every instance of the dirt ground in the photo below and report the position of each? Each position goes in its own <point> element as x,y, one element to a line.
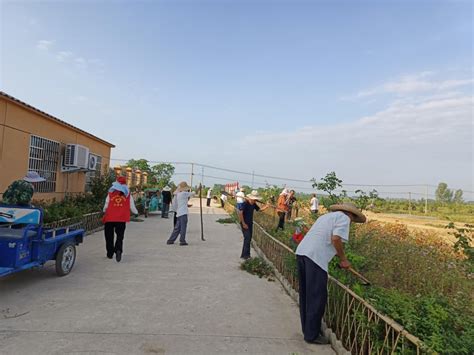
<point>431,224</point>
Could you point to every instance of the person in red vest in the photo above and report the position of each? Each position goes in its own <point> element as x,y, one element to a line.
<point>118,205</point>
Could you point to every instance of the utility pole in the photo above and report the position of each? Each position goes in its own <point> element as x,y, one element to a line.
<point>253,177</point>
<point>426,200</point>
<point>192,174</point>
<point>409,202</point>
<point>202,175</point>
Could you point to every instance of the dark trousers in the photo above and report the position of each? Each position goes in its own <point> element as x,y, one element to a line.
<point>313,296</point>
<point>247,240</point>
<point>165,210</point>
<point>110,229</point>
<point>180,229</point>
<point>281,221</point>
<point>175,220</point>
<point>208,204</point>
<point>222,203</point>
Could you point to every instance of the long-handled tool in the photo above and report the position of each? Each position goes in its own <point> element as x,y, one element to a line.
<point>200,209</point>
<point>359,276</point>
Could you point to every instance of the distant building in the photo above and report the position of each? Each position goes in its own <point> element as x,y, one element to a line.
<point>66,156</point>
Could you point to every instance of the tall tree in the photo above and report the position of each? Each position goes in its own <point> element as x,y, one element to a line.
<point>443,194</point>
<point>162,173</point>
<point>458,196</point>
<point>329,184</point>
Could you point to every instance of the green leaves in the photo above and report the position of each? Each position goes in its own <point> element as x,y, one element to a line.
<point>258,266</point>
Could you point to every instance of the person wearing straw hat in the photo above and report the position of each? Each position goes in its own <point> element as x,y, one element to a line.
<point>117,207</point>
<point>323,241</point>
<point>165,201</point>
<point>20,192</point>
<point>180,207</point>
<point>246,210</point>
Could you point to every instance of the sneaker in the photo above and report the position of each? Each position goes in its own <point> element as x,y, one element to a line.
<point>118,256</point>
<point>183,243</point>
<point>320,340</point>
<point>169,242</point>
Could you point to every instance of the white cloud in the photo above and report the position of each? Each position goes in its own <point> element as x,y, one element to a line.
<point>44,45</point>
<point>415,139</point>
<point>411,84</point>
<point>64,56</point>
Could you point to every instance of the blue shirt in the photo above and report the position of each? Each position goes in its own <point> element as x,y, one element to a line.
<point>247,211</point>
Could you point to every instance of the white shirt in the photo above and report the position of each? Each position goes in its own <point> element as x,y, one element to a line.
<point>180,203</point>
<point>317,244</point>
<point>224,198</point>
<point>240,197</point>
<point>132,205</point>
<point>314,204</point>
<point>209,193</point>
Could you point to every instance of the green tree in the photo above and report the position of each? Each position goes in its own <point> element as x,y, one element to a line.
<point>443,194</point>
<point>100,185</point>
<point>161,174</point>
<point>329,184</point>
<point>141,164</point>
<point>363,199</point>
<point>458,196</point>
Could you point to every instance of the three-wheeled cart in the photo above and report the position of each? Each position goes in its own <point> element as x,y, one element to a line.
<point>25,244</point>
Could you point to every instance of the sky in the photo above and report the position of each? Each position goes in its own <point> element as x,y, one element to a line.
<point>381,92</point>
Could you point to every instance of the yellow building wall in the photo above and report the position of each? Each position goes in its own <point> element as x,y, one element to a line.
<point>17,124</point>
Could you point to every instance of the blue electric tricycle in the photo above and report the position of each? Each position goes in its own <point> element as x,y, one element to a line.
<point>25,244</point>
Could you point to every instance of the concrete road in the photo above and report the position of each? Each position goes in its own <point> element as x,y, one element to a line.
<point>160,299</point>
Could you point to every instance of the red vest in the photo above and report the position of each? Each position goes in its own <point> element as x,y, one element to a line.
<point>118,209</point>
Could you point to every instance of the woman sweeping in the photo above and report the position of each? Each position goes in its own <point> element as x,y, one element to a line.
<point>118,205</point>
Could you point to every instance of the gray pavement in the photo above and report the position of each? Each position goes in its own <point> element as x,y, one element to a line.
<point>160,299</point>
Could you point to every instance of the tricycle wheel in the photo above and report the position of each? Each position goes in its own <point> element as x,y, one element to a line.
<point>65,259</point>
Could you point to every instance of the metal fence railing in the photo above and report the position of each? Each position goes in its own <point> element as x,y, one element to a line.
<point>356,323</point>
<point>91,222</point>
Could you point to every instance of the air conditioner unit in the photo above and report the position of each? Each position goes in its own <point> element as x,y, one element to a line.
<point>92,162</point>
<point>76,156</point>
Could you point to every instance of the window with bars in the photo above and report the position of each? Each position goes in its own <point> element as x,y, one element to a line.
<point>44,159</point>
<point>90,175</point>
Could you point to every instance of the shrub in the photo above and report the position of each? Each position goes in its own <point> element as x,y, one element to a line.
<point>258,266</point>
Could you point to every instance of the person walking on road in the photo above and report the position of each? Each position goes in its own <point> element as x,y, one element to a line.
<point>322,242</point>
<point>314,202</point>
<point>246,210</point>
<point>165,201</point>
<point>118,205</point>
<point>208,197</point>
<point>180,206</point>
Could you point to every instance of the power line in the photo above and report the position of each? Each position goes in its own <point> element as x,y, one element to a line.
<point>309,181</point>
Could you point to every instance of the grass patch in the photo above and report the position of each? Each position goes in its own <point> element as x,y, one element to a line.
<point>227,220</point>
<point>258,266</point>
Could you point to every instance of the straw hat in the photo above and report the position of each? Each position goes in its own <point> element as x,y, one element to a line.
<point>254,196</point>
<point>349,207</point>
<point>183,186</point>
<point>285,192</point>
<point>33,176</point>
<point>166,188</point>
